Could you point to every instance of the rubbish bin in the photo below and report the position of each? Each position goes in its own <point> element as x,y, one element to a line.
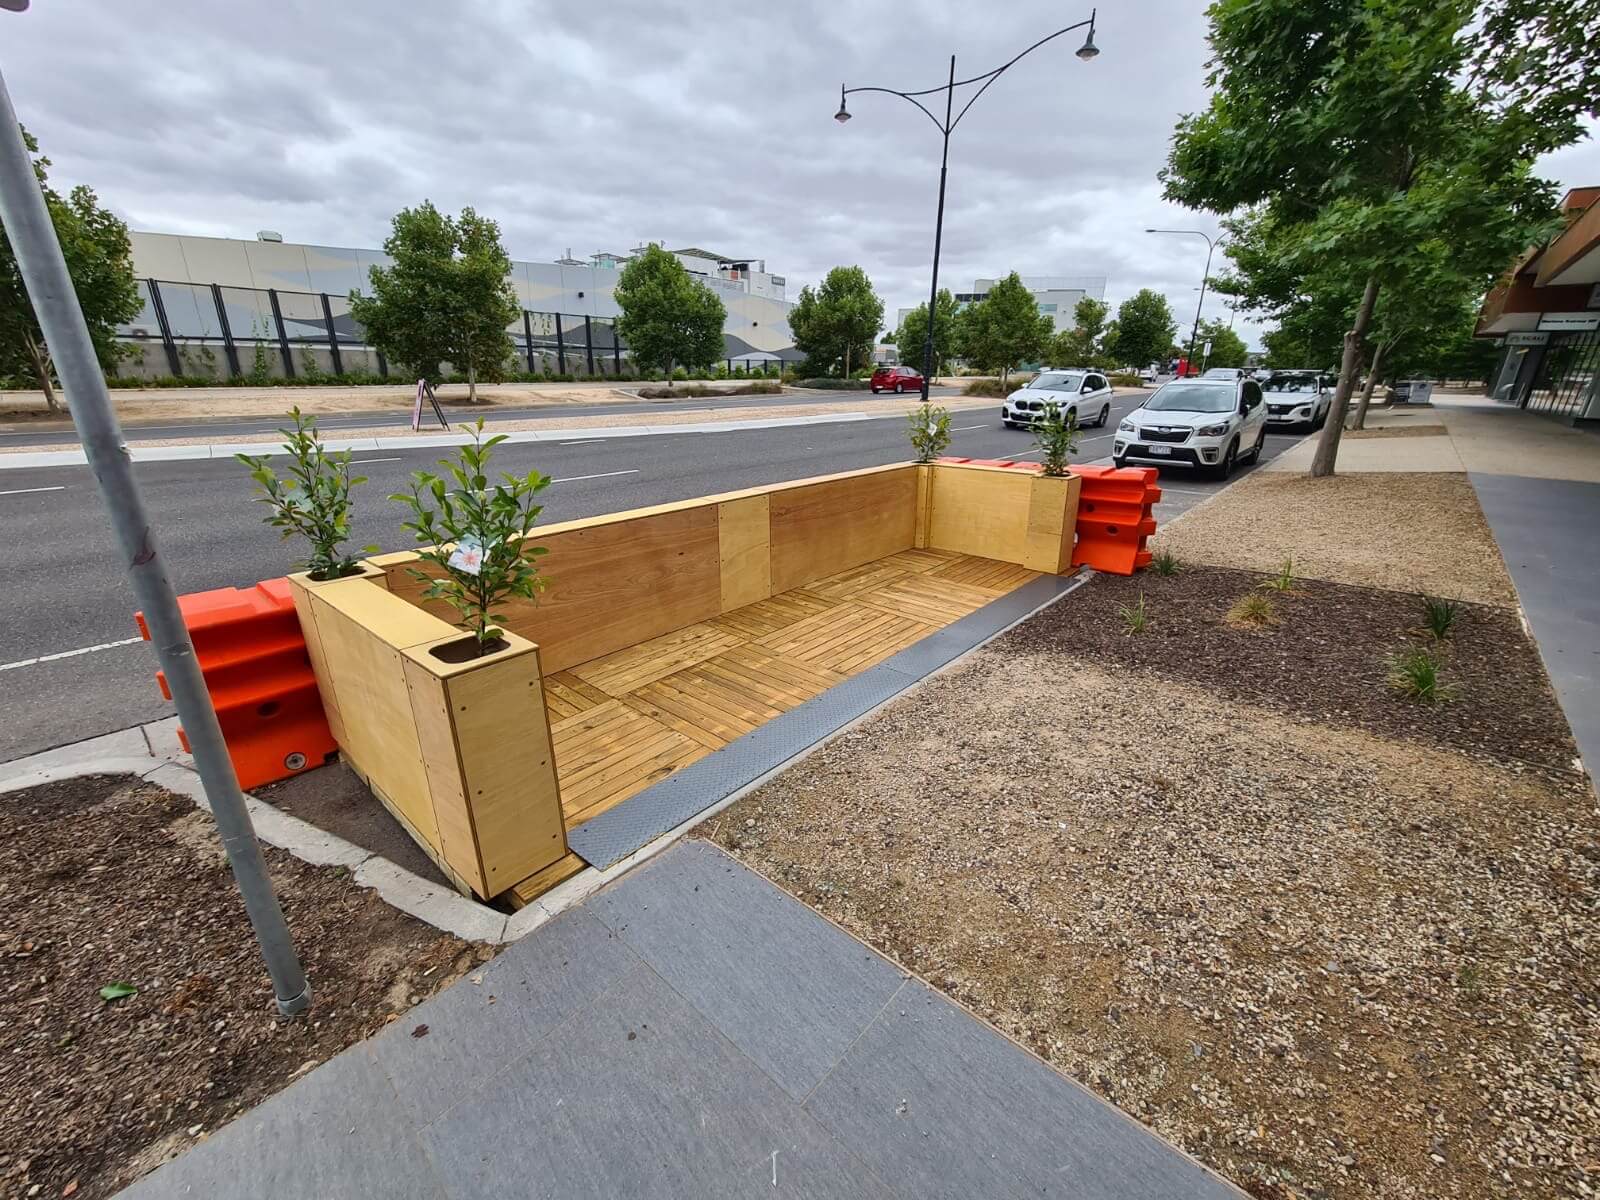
<point>1421,392</point>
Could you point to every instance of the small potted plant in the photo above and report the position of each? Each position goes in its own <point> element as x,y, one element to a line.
<point>1057,439</point>
<point>475,532</point>
<point>312,499</point>
<point>929,431</point>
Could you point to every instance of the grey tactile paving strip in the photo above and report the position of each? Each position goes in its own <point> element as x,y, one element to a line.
<point>640,819</point>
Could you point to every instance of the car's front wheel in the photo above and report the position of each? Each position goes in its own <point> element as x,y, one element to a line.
<point>1118,462</point>
<point>1225,468</point>
<point>1105,415</point>
<point>1261,442</point>
<point>899,388</point>
<point>874,391</point>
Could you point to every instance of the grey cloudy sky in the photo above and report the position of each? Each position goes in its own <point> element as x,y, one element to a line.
<point>597,126</point>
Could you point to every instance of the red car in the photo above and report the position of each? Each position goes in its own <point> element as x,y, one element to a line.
<point>896,379</point>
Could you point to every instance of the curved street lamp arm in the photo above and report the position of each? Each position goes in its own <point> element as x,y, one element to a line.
<point>911,96</point>
<point>990,76</point>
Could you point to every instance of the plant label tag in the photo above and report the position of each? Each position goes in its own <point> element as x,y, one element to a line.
<point>467,557</point>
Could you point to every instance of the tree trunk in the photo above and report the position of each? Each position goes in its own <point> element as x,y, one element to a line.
<point>41,371</point>
<point>472,381</point>
<point>1373,372</point>
<point>847,360</point>
<point>1328,445</point>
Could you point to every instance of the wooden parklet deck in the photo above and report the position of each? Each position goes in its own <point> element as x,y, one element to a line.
<point>624,721</point>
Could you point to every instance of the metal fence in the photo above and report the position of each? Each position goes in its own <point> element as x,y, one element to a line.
<point>261,331</point>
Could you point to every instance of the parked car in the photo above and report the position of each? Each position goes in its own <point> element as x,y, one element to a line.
<point>1225,373</point>
<point>1208,424</point>
<point>1082,394</point>
<point>1297,398</point>
<point>896,379</point>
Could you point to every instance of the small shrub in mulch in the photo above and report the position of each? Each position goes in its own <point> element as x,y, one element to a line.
<point>695,390</point>
<point>1328,656</point>
<point>988,387</point>
<point>113,884</point>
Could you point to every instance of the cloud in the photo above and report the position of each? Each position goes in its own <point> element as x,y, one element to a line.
<point>594,127</point>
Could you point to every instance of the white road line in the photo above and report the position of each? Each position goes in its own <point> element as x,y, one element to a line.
<point>584,442</point>
<point>1181,491</point>
<point>44,658</point>
<point>964,428</point>
<point>356,462</point>
<point>61,487</point>
<point>601,475</point>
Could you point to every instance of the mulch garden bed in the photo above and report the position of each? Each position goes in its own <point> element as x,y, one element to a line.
<point>1324,659</point>
<point>109,880</point>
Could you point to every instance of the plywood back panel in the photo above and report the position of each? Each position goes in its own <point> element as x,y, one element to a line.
<point>825,526</point>
<point>745,547</point>
<point>981,511</point>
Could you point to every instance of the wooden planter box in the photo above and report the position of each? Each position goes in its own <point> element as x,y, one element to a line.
<point>458,752</point>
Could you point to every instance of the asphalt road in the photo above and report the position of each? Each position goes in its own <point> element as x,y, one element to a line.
<point>223,429</point>
<point>66,594</point>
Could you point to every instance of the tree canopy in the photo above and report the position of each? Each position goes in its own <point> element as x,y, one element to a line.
<point>1005,329</point>
<point>1355,125</point>
<point>1145,329</point>
<point>668,316</point>
<point>445,298</point>
<point>836,325</point>
<point>100,262</point>
<point>911,338</point>
<point>1227,347</point>
<point>1084,344</point>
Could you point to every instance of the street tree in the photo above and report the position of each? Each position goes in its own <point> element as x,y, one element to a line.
<point>1084,344</point>
<point>1005,329</point>
<point>1227,347</point>
<point>837,324</point>
<point>911,338</point>
<point>669,318</point>
<point>1145,329</point>
<point>1421,154</point>
<point>100,262</point>
<point>446,297</point>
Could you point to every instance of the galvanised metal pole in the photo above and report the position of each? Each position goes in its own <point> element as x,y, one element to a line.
<point>1205,279</point>
<point>938,236</point>
<point>27,223</point>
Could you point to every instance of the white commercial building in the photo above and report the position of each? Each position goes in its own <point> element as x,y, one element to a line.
<point>1056,295</point>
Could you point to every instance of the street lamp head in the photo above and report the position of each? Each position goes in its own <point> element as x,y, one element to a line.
<point>14,5</point>
<point>843,114</point>
<point>1089,50</point>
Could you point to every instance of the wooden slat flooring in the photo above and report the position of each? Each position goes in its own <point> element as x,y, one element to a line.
<point>621,722</point>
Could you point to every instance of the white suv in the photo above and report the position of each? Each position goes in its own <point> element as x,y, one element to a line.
<point>1084,395</point>
<point>1208,424</point>
<point>1297,398</point>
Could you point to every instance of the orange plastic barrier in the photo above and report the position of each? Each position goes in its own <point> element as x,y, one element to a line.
<point>1115,518</point>
<point>1115,513</point>
<point>254,659</point>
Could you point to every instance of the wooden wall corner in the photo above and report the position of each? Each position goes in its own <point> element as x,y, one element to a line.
<point>924,505</point>
<point>1052,523</point>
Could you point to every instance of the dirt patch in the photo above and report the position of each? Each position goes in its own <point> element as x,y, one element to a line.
<point>1320,651</point>
<point>1405,532</point>
<point>110,880</point>
<point>1325,963</point>
<point>1394,431</point>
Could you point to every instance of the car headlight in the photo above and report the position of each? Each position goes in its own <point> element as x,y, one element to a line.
<point>1213,430</point>
<point>1127,427</point>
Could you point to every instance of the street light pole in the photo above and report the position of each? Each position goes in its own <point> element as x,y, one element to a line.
<point>1085,52</point>
<point>27,223</point>
<point>1205,280</point>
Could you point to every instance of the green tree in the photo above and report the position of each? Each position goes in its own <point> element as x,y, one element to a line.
<point>1420,155</point>
<point>1005,329</point>
<point>100,262</point>
<point>1084,344</point>
<point>446,298</point>
<point>837,324</point>
<point>669,318</point>
<point>911,338</point>
<point>1227,347</point>
<point>1145,328</point>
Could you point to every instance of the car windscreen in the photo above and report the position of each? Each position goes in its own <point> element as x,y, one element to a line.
<point>1192,397</point>
<point>1290,383</point>
<point>1055,381</point>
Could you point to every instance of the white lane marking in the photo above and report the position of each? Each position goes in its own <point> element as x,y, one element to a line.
<point>601,475</point>
<point>356,462</point>
<point>584,442</point>
<point>1181,491</point>
<point>60,487</point>
<point>44,658</point>
<point>964,428</point>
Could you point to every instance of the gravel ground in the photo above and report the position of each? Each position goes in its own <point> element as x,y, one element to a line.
<point>1404,532</point>
<point>1326,963</point>
<point>1325,655</point>
<point>112,880</point>
<point>460,417</point>
<point>1393,431</point>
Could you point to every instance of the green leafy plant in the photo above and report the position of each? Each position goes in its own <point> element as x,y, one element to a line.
<point>1284,580</point>
<point>260,373</point>
<point>118,991</point>
<point>929,431</point>
<point>1439,616</point>
<point>1256,608</point>
<point>987,387</point>
<point>475,533</point>
<point>313,499</point>
<point>1057,437</point>
<point>1416,673</point>
<point>1135,617</point>
<point>1165,562</point>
